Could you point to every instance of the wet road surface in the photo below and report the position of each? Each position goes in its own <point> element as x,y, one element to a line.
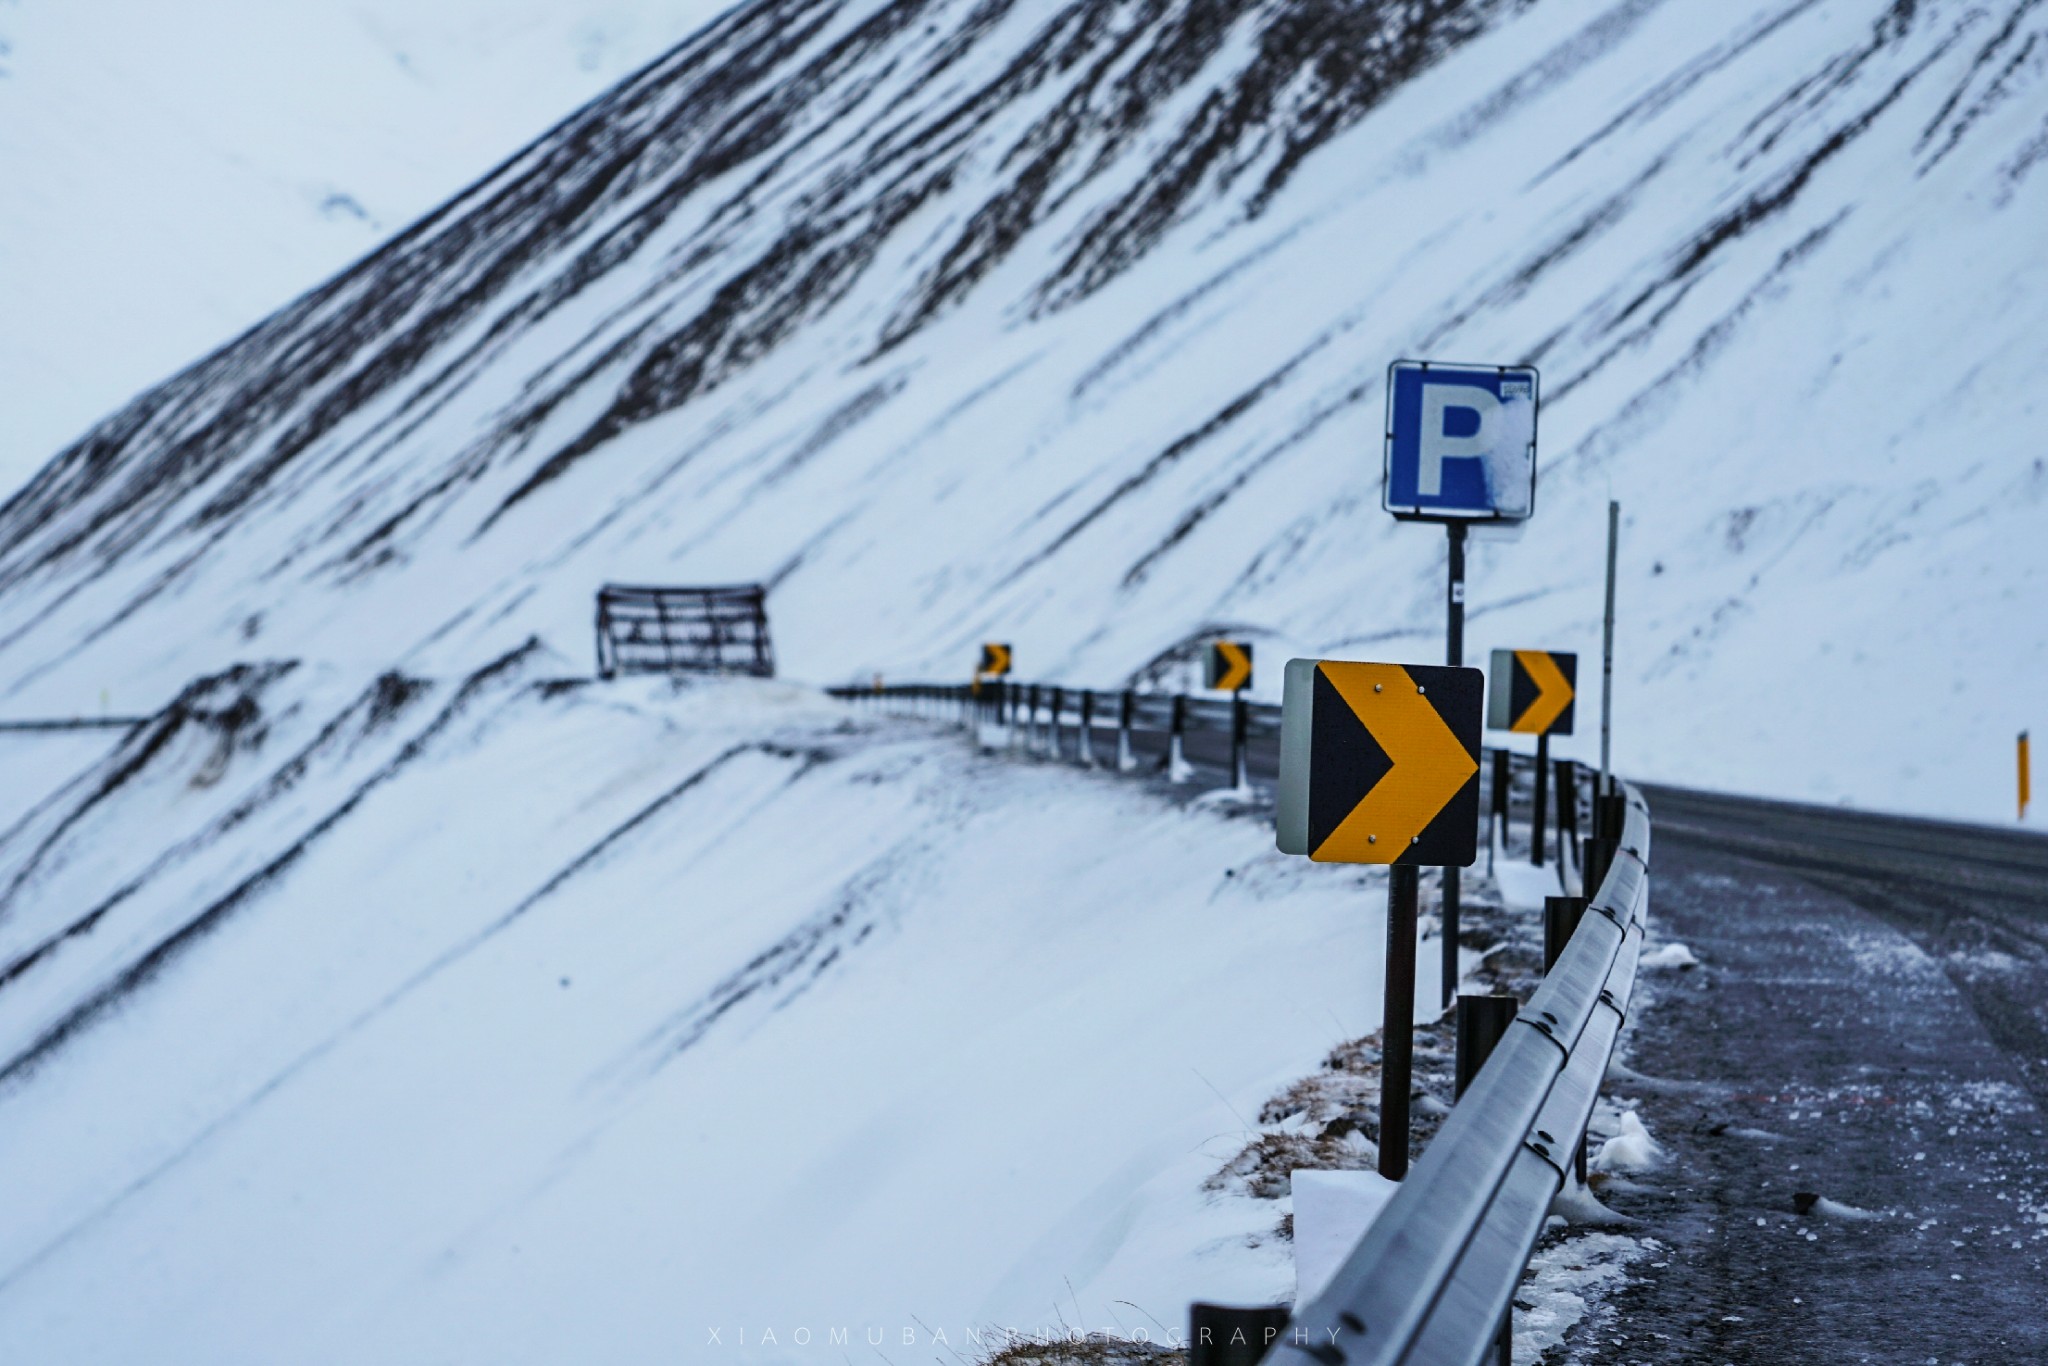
<point>1867,1026</point>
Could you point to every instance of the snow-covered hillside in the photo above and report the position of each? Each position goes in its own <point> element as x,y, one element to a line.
<point>953,318</point>
<point>174,172</point>
<point>505,1020</point>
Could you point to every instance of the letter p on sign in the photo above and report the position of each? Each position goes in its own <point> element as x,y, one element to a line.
<point>1439,401</point>
<point>1461,442</point>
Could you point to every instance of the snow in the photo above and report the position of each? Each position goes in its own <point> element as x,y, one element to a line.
<point>730,1007</point>
<point>1630,1149</point>
<point>1567,1281</point>
<point>1668,957</point>
<point>399,992</point>
<point>175,172</point>
<point>1332,1212</point>
<point>38,763</point>
<point>1523,886</point>
<point>1576,1204</point>
<point>1835,1209</point>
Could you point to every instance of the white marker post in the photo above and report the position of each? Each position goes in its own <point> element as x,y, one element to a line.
<point>1607,651</point>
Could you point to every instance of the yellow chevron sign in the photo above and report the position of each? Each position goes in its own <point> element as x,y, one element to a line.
<point>995,661</point>
<point>1379,763</point>
<point>1230,665</point>
<point>1531,692</point>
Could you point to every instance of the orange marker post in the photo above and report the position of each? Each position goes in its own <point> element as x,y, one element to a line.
<point>2026,793</point>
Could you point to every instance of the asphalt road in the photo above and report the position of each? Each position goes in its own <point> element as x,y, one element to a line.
<point>1869,1024</point>
<point>1849,1090</point>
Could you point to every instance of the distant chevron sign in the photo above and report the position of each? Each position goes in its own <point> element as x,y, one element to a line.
<point>1230,665</point>
<point>1532,692</point>
<point>995,661</point>
<point>1379,763</point>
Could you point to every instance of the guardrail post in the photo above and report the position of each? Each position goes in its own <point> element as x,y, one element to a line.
<point>1125,762</point>
<point>1611,816</point>
<point>1448,908</point>
<point>1503,781</point>
<point>1567,811</point>
<point>1599,854</point>
<point>1175,761</point>
<point>1539,816</point>
<point>1031,720</point>
<point>1059,700</point>
<point>1561,917</point>
<point>1397,1022</point>
<point>1219,1335</point>
<point>1087,747</point>
<point>1240,718</point>
<point>1482,1020</point>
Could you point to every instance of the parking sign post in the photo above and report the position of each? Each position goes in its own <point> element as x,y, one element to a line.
<point>1460,449</point>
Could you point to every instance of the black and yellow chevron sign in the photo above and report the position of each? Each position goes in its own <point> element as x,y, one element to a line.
<point>1230,665</point>
<point>1379,763</point>
<point>995,661</point>
<point>1532,692</point>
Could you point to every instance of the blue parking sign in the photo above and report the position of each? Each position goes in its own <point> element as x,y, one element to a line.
<point>1461,442</point>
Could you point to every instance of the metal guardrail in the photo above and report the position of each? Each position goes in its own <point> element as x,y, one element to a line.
<point>1043,706</point>
<point>1431,1280</point>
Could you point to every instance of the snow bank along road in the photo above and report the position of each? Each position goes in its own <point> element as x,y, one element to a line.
<point>1850,1091</point>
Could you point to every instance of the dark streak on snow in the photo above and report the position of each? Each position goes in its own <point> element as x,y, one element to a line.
<point>1667,92</point>
<point>168,949</point>
<point>1201,510</point>
<point>355,1025</point>
<point>1171,453</point>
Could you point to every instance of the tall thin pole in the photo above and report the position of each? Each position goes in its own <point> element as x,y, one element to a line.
<point>1454,635</point>
<point>1607,652</point>
<point>1454,655</point>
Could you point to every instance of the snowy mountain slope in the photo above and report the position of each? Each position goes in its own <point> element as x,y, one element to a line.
<point>730,1007</point>
<point>951,319</point>
<point>175,172</point>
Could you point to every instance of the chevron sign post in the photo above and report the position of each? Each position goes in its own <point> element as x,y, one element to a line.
<point>1379,763</point>
<point>1229,666</point>
<point>1532,694</point>
<point>1229,669</point>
